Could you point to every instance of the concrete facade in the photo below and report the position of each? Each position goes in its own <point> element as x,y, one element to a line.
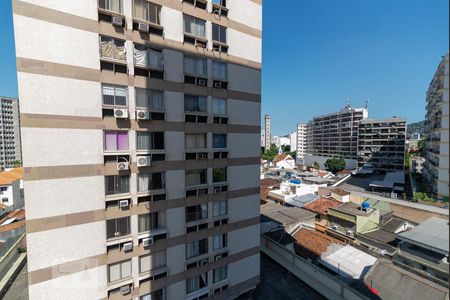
<point>101,224</point>
<point>10,147</point>
<point>436,167</point>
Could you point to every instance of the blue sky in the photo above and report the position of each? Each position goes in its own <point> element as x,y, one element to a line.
<point>319,53</point>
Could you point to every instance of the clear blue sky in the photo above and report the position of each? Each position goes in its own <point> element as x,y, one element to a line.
<point>319,53</point>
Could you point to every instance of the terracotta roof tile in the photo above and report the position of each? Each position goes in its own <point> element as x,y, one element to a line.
<point>281,157</point>
<point>7,177</point>
<point>321,205</point>
<point>340,192</point>
<point>311,244</point>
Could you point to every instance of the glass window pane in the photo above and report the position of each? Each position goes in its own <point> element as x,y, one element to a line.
<point>108,94</point>
<point>110,140</point>
<point>122,140</point>
<point>126,269</point>
<point>220,70</point>
<point>114,272</point>
<point>142,98</point>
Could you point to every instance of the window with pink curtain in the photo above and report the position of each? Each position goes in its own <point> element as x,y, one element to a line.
<point>116,140</point>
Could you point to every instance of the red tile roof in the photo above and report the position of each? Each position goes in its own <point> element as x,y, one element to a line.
<point>19,220</point>
<point>311,243</point>
<point>340,192</point>
<point>265,184</point>
<point>281,157</point>
<point>7,177</point>
<point>321,205</point>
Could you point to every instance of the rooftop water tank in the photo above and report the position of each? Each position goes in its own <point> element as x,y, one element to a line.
<point>296,181</point>
<point>365,206</point>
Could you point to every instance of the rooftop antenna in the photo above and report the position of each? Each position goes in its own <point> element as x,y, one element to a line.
<point>367,103</point>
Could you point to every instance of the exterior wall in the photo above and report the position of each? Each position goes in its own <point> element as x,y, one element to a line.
<point>10,145</point>
<point>11,196</point>
<point>310,159</point>
<point>67,209</point>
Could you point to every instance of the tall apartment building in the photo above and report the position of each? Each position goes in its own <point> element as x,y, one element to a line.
<point>267,134</point>
<point>10,148</point>
<point>301,140</point>
<point>263,138</point>
<point>382,143</point>
<point>309,137</point>
<point>437,132</point>
<point>141,125</point>
<point>293,141</point>
<point>336,134</point>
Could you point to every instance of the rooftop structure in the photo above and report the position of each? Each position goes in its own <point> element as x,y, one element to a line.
<point>287,217</point>
<point>321,205</point>
<point>312,244</point>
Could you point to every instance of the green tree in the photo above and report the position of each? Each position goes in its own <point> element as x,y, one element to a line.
<point>286,148</point>
<point>335,165</point>
<point>293,154</point>
<point>271,153</point>
<point>316,165</point>
<point>17,163</point>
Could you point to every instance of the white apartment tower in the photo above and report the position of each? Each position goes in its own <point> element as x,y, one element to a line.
<point>141,129</point>
<point>267,134</point>
<point>437,132</point>
<point>10,148</point>
<point>301,141</point>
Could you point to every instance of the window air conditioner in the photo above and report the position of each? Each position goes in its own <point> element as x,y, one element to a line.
<point>118,21</point>
<point>125,289</point>
<point>204,262</point>
<point>127,246</point>
<point>142,115</point>
<point>201,81</point>
<point>143,27</point>
<point>217,257</point>
<point>217,189</point>
<point>124,203</point>
<point>218,84</point>
<point>123,166</point>
<point>202,156</point>
<point>147,242</point>
<point>334,227</point>
<point>121,113</point>
<point>144,161</point>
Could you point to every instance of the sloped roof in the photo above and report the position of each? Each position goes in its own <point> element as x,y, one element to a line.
<point>321,205</point>
<point>12,220</point>
<point>311,243</point>
<point>340,192</point>
<point>7,177</point>
<point>281,157</point>
<point>289,215</point>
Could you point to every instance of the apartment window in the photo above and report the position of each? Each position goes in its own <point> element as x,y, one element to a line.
<point>195,177</point>
<point>152,261</point>
<point>219,241</point>
<point>196,248</point>
<point>148,222</point>
<point>219,33</point>
<point>195,141</point>
<point>220,71</point>
<point>148,57</point>
<point>150,99</point>
<point>150,141</point>
<point>112,5</point>
<point>220,2</point>
<point>116,141</point>
<point>117,184</point>
<point>119,271</point>
<point>157,295</point>
<point>219,106</point>
<point>220,208</point>
<point>219,175</point>
<point>196,283</point>
<point>150,182</point>
<point>112,48</point>
<point>117,227</point>
<point>220,274</point>
<point>195,104</point>
<point>147,11</point>
<point>114,95</point>
<point>219,141</point>
<point>194,26</point>
<point>196,213</point>
<point>195,66</point>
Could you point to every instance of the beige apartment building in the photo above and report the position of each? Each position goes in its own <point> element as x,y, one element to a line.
<point>141,141</point>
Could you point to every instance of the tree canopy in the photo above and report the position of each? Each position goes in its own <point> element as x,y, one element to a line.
<point>335,165</point>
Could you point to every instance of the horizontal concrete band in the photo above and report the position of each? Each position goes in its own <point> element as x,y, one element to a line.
<point>74,171</point>
<point>49,273</point>
<point>62,221</point>
<point>73,21</point>
<point>96,123</point>
<point>33,66</point>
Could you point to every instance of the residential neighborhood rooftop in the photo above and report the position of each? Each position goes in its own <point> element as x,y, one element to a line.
<point>340,192</point>
<point>353,209</point>
<point>311,243</point>
<point>289,215</point>
<point>321,205</point>
<point>7,177</point>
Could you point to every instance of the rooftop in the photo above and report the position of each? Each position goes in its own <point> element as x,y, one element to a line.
<point>382,206</point>
<point>280,236</point>
<point>433,234</point>
<point>388,120</point>
<point>289,215</point>
<point>311,244</point>
<point>281,157</point>
<point>318,180</point>
<point>302,200</point>
<point>353,209</point>
<point>340,192</point>
<point>7,177</point>
<point>321,205</point>
<point>12,220</point>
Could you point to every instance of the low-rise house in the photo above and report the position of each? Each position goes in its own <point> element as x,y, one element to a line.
<point>320,207</point>
<point>425,249</point>
<point>340,195</point>
<point>276,216</point>
<point>11,194</point>
<point>351,219</point>
<point>311,244</point>
<point>267,185</point>
<point>284,161</point>
<point>293,191</point>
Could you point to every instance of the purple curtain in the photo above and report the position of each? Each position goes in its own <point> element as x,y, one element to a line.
<point>110,140</point>
<point>122,140</point>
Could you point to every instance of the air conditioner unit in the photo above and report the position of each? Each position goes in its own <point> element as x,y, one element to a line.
<point>125,289</point>
<point>143,27</point>
<point>217,190</point>
<point>124,203</point>
<point>144,161</point>
<point>201,81</point>
<point>217,257</point>
<point>350,233</point>
<point>204,262</point>
<point>142,115</point>
<point>123,166</point>
<point>147,242</point>
<point>121,113</point>
<point>334,227</point>
<point>127,246</point>
<point>118,21</point>
<point>218,84</point>
<point>202,156</point>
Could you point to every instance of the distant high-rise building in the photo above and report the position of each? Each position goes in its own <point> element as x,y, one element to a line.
<point>293,143</point>
<point>263,138</point>
<point>437,132</point>
<point>140,124</point>
<point>382,143</point>
<point>309,137</point>
<point>10,146</point>
<point>301,140</point>
<point>267,133</point>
